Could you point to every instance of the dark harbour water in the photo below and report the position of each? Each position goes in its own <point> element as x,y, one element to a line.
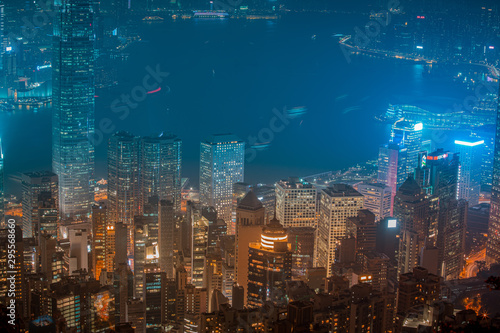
<point>228,76</point>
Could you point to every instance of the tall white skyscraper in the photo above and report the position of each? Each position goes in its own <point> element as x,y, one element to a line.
<point>221,165</point>
<point>337,204</point>
<point>296,203</point>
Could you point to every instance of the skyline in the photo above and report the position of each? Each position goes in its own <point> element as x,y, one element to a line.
<point>347,175</point>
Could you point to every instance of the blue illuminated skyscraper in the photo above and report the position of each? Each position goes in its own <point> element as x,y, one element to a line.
<point>469,172</point>
<point>73,105</point>
<point>221,165</point>
<point>123,178</point>
<point>408,134</point>
<point>160,169</point>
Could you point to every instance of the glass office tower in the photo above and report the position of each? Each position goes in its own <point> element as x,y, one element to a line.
<point>73,105</point>
<point>221,165</point>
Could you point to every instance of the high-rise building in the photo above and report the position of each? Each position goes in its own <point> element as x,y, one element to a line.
<point>441,178</point>
<point>296,203</point>
<point>417,287</point>
<point>2,190</point>
<point>378,199</point>
<point>302,242</point>
<point>123,178</point>
<point>120,242</point>
<point>48,216</point>
<point>269,266</point>
<point>161,159</point>
<point>364,231</point>
<point>78,251</point>
<point>250,218</point>
<point>240,189</point>
<point>153,297</point>
<point>201,218</point>
<point>408,134</point>
<point>166,229</point>
<point>34,183</point>
<point>469,172</point>
<point>73,105</point>
<point>267,195</point>
<point>411,211</point>
<point>221,165</point>
<point>337,203</point>
<point>392,166</point>
<point>99,223</point>
<point>140,241</point>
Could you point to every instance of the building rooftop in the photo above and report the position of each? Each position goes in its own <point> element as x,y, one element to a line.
<point>222,138</point>
<point>250,201</point>
<point>341,190</point>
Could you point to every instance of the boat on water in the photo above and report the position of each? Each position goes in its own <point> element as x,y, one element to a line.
<point>210,14</point>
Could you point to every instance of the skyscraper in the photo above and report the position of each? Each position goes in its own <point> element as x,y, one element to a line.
<point>411,210</point>
<point>2,194</point>
<point>408,134</point>
<point>469,172</point>
<point>221,165</point>
<point>166,229</point>
<point>123,178</point>
<point>296,203</point>
<point>493,245</point>
<point>338,203</point>
<point>269,266</point>
<point>33,184</point>
<point>99,223</point>
<point>378,199</point>
<point>161,159</point>
<point>250,218</point>
<point>73,105</point>
<point>441,179</point>
<point>392,166</point>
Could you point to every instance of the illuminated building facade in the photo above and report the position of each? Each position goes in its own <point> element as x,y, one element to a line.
<point>140,238</point>
<point>493,245</point>
<point>200,220</point>
<point>469,172</point>
<point>378,199</point>
<point>48,216</point>
<point>73,105</point>
<point>408,134</point>
<point>337,203</point>
<point>153,297</point>
<point>392,166</point>
<point>160,167</point>
<point>269,266</point>
<point>33,184</point>
<point>99,223</point>
<point>296,203</point>
<point>250,218</point>
<point>442,170</point>
<point>2,190</point>
<point>123,178</point>
<point>302,242</point>
<point>411,210</point>
<point>222,159</point>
